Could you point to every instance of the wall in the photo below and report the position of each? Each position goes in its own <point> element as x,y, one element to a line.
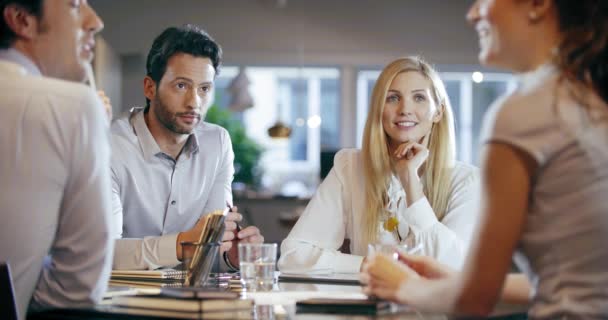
<point>108,73</point>
<point>304,31</point>
<point>134,69</point>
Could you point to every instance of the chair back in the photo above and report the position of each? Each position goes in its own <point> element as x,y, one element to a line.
<point>8,304</point>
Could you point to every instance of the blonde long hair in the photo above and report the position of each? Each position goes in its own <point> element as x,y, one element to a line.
<point>436,178</point>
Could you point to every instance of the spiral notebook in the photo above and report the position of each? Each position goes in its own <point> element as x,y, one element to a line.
<point>169,274</point>
<point>138,283</point>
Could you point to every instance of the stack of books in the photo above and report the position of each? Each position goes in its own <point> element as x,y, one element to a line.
<point>186,303</point>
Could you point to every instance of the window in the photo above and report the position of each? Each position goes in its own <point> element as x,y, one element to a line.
<point>305,99</point>
<point>470,98</point>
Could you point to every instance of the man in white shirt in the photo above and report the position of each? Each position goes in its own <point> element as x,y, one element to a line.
<point>169,168</point>
<point>55,199</point>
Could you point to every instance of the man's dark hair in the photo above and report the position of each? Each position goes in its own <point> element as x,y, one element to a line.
<point>188,39</point>
<point>7,36</point>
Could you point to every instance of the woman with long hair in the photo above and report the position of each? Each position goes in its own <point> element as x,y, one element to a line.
<point>403,187</point>
<point>544,173</point>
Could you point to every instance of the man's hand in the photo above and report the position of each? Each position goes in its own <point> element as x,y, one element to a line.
<point>233,235</point>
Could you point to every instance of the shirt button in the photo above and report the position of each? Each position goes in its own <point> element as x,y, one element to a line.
<point>173,202</point>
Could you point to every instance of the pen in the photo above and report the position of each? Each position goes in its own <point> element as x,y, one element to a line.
<point>238,226</point>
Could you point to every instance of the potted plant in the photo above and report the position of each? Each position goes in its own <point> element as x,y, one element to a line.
<point>246,151</point>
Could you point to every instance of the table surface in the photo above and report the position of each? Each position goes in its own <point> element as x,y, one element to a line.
<point>280,304</point>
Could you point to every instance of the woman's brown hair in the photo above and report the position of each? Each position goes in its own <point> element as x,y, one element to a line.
<point>583,52</point>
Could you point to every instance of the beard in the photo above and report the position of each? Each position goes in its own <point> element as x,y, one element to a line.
<point>170,119</point>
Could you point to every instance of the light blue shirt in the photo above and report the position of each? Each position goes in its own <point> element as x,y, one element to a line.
<point>155,197</point>
<point>55,182</point>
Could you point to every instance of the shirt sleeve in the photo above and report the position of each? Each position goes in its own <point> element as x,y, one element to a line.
<point>77,270</point>
<point>146,253</point>
<point>446,240</point>
<point>313,243</point>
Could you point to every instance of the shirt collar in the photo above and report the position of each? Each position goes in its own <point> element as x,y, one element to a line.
<point>192,143</point>
<point>147,142</point>
<point>16,57</point>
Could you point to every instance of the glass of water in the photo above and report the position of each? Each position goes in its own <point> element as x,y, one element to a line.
<point>393,249</point>
<point>257,264</point>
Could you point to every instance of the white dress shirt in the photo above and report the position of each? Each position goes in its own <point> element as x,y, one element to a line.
<point>337,210</point>
<point>562,248</point>
<point>155,197</point>
<point>55,187</point>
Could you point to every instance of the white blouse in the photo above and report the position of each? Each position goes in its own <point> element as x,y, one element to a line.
<point>337,210</point>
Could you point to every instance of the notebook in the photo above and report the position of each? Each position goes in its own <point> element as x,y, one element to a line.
<point>182,305</point>
<point>227,315</point>
<point>149,274</point>
<point>199,293</point>
<point>138,283</point>
<point>343,306</point>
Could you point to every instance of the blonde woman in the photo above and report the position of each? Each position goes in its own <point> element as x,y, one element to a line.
<point>403,187</point>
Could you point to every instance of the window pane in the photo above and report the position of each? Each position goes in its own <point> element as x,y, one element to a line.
<point>453,89</point>
<point>483,95</point>
<point>330,114</point>
<point>305,99</point>
<point>293,99</point>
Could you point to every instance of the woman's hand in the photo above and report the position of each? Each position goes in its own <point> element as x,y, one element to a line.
<point>426,266</point>
<point>386,277</point>
<point>409,158</point>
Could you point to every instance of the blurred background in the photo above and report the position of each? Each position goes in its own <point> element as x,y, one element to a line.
<point>304,66</point>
